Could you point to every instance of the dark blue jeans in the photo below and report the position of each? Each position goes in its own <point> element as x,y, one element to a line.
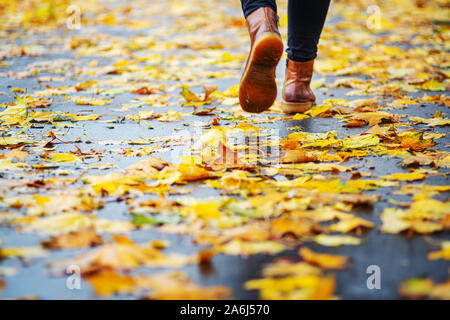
<point>305,23</point>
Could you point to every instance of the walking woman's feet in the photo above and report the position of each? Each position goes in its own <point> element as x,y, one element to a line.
<point>258,89</point>
<point>297,95</point>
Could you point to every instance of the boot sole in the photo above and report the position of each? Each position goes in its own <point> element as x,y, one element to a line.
<point>296,107</point>
<point>258,89</point>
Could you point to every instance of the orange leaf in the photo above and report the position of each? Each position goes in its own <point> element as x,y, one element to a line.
<point>297,156</point>
<point>323,260</point>
<point>108,282</point>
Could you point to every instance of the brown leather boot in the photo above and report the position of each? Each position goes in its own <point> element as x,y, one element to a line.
<point>258,89</point>
<point>297,95</point>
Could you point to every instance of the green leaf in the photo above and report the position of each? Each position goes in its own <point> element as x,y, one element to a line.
<point>140,219</point>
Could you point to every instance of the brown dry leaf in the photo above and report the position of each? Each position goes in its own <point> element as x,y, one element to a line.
<point>40,102</point>
<point>208,89</point>
<point>145,90</point>
<point>148,167</point>
<point>76,239</point>
<point>439,159</point>
<point>203,111</point>
<point>323,260</point>
<point>355,123</point>
<point>421,159</point>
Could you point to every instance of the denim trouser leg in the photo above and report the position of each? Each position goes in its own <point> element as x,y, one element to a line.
<point>248,6</point>
<point>305,23</point>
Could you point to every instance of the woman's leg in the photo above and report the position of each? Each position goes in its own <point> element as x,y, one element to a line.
<point>305,23</point>
<point>258,88</point>
<point>248,6</point>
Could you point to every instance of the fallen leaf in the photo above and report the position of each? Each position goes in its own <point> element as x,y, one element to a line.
<point>75,239</point>
<point>323,260</point>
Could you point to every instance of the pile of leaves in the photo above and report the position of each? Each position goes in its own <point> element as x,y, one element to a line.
<point>137,130</point>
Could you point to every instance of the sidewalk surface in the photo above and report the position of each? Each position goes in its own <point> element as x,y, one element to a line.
<point>129,170</point>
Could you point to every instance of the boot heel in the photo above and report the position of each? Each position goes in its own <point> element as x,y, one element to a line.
<point>296,107</point>
<point>268,50</point>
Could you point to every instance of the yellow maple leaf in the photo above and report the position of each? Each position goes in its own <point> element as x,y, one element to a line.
<point>411,176</point>
<point>323,260</point>
<point>433,85</point>
<point>63,157</point>
<point>319,110</point>
<point>444,253</point>
<point>336,240</point>
<point>239,247</point>
<point>361,141</point>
